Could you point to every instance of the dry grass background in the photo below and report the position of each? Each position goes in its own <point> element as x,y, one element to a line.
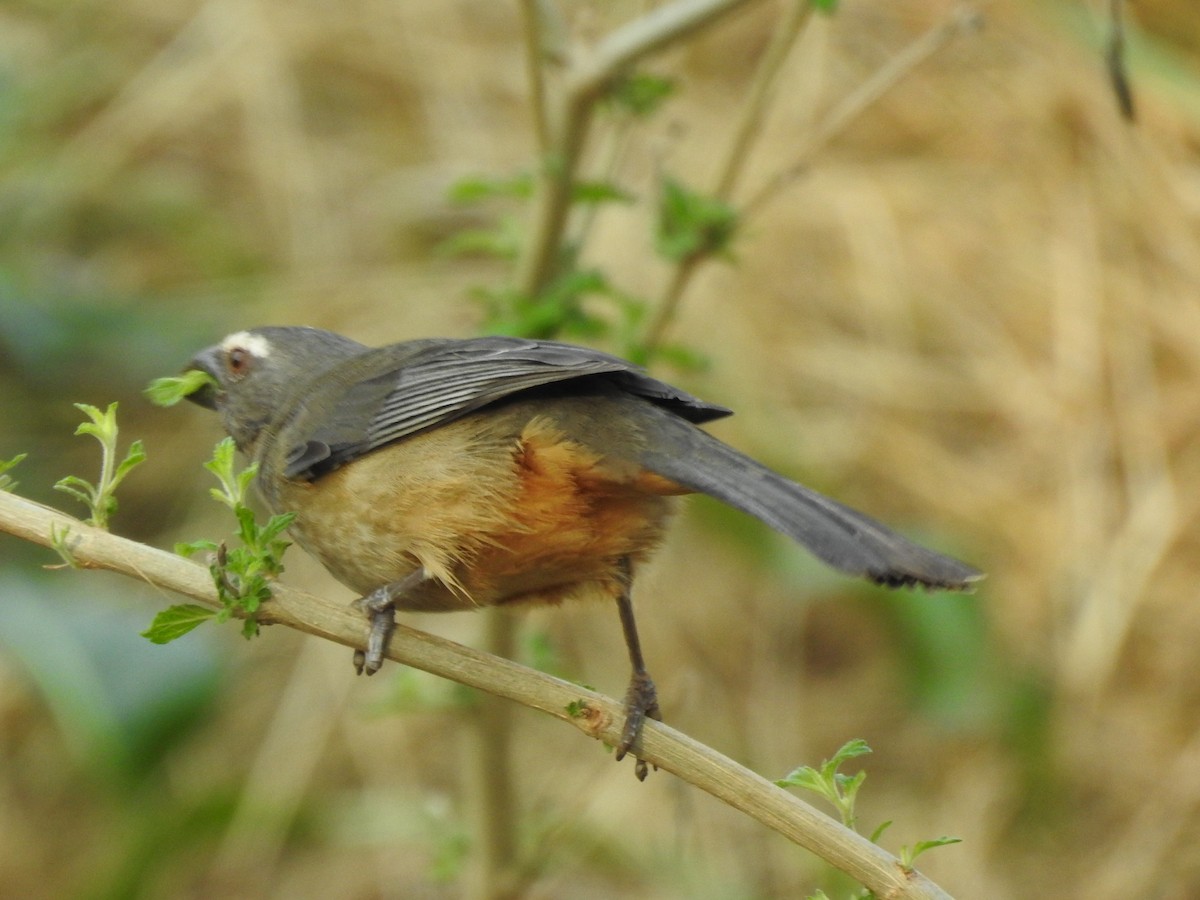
<point>976,316</point>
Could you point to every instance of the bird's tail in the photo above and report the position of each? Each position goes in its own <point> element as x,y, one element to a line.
<point>840,536</point>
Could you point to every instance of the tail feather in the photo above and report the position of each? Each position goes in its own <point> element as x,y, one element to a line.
<point>838,535</point>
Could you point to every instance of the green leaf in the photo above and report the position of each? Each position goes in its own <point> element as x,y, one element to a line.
<point>103,426</point>
<point>234,485</point>
<point>691,224</point>
<point>169,391</point>
<point>135,457</point>
<point>6,481</point>
<point>908,855</point>
<point>275,525</point>
<point>252,600</point>
<point>825,6</point>
<point>641,94</point>
<point>848,785</point>
<point>599,192</point>
<point>502,240</point>
<point>558,309</point>
<point>472,189</point>
<point>221,463</point>
<point>943,841</point>
<point>221,495</point>
<point>78,488</point>
<point>499,242</point>
<point>61,542</point>
<point>247,527</point>
<point>244,478</point>
<point>191,548</point>
<point>878,832</point>
<point>803,777</point>
<point>451,850</point>
<point>176,621</point>
<point>577,282</point>
<point>849,750</point>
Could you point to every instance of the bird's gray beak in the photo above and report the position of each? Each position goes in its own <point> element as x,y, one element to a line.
<point>206,361</point>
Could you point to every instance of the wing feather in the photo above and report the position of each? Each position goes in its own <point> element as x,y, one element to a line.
<point>402,390</point>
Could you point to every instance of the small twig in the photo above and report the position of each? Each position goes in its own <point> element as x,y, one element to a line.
<point>659,28</point>
<point>748,129</point>
<point>1115,59</point>
<point>609,155</point>
<point>961,20</point>
<point>835,122</point>
<point>758,99</point>
<point>535,54</point>
<point>595,715</point>
<point>668,302</point>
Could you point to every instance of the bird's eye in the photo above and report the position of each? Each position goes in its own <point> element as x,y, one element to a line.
<point>238,360</point>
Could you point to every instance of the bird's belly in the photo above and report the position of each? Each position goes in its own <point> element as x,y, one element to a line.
<point>526,516</point>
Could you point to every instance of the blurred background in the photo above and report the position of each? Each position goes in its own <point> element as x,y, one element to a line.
<point>975,314</point>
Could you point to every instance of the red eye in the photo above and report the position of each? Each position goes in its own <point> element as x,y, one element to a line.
<point>238,360</point>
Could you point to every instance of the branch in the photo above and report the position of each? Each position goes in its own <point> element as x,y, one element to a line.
<point>962,20</point>
<point>586,83</point>
<point>748,129</point>
<point>601,717</point>
<point>535,51</point>
<point>758,98</point>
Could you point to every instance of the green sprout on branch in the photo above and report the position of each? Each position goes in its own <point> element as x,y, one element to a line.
<point>840,790</point>
<point>242,574</point>
<point>100,498</point>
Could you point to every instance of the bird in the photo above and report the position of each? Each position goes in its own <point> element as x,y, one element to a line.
<point>447,474</point>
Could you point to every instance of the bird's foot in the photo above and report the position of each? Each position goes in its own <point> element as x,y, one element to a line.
<point>641,702</point>
<point>380,608</point>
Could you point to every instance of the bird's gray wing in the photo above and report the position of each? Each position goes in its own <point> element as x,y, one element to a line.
<point>394,392</point>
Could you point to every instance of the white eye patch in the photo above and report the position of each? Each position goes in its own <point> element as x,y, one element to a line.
<point>256,344</point>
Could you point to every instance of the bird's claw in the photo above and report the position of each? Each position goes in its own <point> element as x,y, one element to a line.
<point>378,605</point>
<point>641,703</point>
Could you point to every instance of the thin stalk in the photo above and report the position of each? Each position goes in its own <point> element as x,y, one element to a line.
<point>759,97</point>
<point>733,163</point>
<point>961,20</point>
<point>494,862</point>
<point>535,54</point>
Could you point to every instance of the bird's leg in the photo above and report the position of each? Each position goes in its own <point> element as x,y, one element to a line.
<point>641,699</point>
<point>380,607</point>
